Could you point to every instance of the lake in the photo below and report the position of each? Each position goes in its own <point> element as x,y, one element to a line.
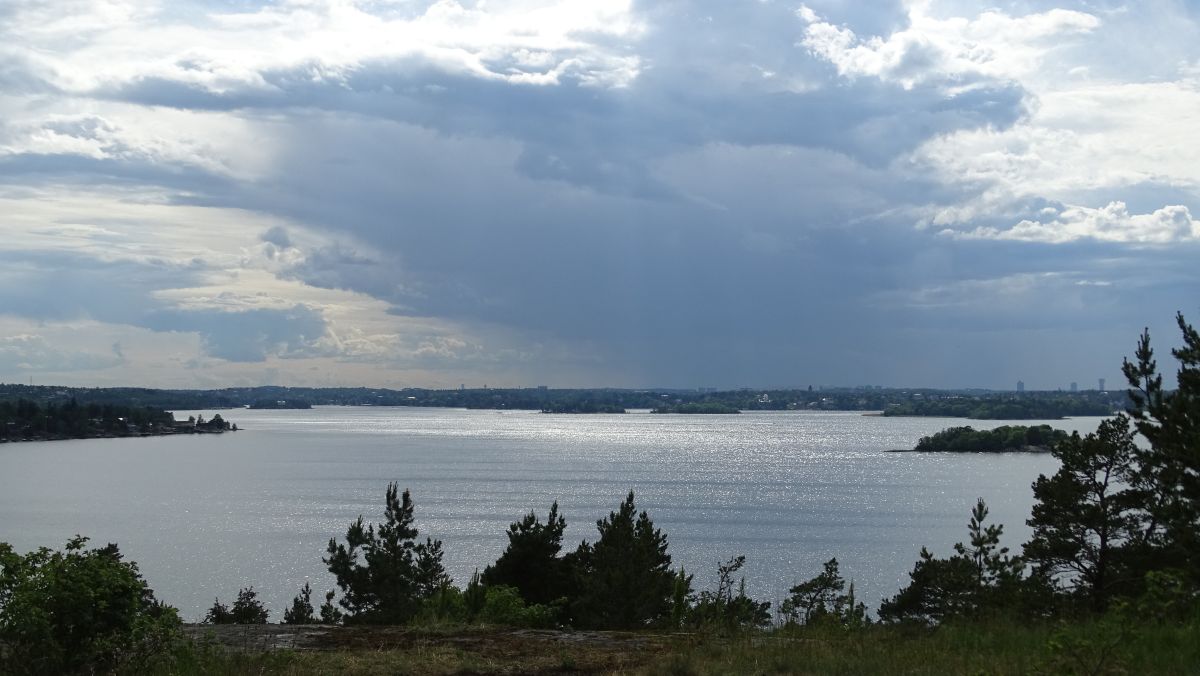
<point>204,515</point>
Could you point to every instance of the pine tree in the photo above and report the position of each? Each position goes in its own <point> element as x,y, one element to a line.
<point>301,611</point>
<point>1169,470</point>
<point>1086,515</point>
<point>531,563</point>
<point>625,578</point>
<point>809,601</point>
<point>383,573</point>
<point>977,578</point>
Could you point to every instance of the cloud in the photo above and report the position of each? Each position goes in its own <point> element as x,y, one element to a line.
<point>680,193</point>
<point>249,335</point>
<point>1112,223</point>
<point>33,353</point>
<point>954,52</point>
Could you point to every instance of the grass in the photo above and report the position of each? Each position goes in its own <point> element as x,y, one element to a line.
<point>1094,648</point>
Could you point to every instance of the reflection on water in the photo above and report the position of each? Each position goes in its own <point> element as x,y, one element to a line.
<point>206,515</point>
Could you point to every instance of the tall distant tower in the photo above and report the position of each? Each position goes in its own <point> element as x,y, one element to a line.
<point>1020,385</point>
<point>1101,384</point>
<point>1074,387</point>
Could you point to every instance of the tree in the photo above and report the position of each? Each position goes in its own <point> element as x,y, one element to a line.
<point>301,611</point>
<point>1169,470</point>
<point>1083,518</point>
<point>980,577</point>
<point>384,574</point>
<point>218,613</point>
<point>78,610</point>
<point>329,612</point>
<point>822,599</point>
<point>723,609</point>
<point>247,609</point>
<point>625,578</point>
<point>531,563</point>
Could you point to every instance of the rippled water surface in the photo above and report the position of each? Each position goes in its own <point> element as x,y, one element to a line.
<point>205,515</point>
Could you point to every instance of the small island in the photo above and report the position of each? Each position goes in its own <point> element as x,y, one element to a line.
<point>272,404</point>
<point>1004,439</point>
<point>699,407</point>
<point>582,407</point>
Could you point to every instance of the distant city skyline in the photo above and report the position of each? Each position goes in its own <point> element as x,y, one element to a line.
<point>944,193</point>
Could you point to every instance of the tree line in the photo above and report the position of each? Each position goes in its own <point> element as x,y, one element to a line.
<point>892,401</point>
<point>25,419</point>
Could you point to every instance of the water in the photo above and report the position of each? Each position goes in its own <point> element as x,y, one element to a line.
<point>205,515</point>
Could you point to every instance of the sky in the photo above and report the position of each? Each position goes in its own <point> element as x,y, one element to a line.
<point>626,193</point>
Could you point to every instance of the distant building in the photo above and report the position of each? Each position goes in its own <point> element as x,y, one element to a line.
<point>1101,384</point>
<point>1020,385</point>
<point>1074,387</point>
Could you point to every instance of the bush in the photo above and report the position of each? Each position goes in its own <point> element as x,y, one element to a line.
<point>504,606</point>
<point>78,610</point>
<point>247,609</point>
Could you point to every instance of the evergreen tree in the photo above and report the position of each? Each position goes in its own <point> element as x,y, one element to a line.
<point>725,610</point>
<point>625,578</point>
<point>247,609</point>
<point>1086,516</point>
<point>531,563</point>
<point>977,578</point>
<point>822,599</point>
<point>384,574</point>
<point>329,612</point>
<point>1169,470</point>
<point>301,611</point>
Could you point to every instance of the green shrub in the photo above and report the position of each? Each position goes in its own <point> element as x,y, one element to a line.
<point>78,610</point>
<point>504,606</point>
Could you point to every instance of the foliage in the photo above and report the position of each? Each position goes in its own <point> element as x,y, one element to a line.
<point>624,579</point>
<point>330,614</point>
<point>824,599</point>
<point>1007,406</point>
<point>384,574</point>
<point>978,578</point>
<point>531,563</point>
<point>723,609</point>
<point>1169,470</point>
<point>26,419</point>
<point>682,599</point>
<point>699,407</point>
<point>78,610</point>
<point>1084,522</point>
<point>504,606</point>
<point>1004,438</point>
<point>301,611</point>
<point>247,609</point>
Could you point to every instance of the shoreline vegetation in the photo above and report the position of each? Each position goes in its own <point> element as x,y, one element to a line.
<point>976,404</point>
<point>1004,439</point>
<point>25,420</point>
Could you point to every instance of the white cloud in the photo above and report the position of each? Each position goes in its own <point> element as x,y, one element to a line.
<point>951,51</point>
<point>1111,223</point>
<point>1079,139</point>
<point>114,43</point>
